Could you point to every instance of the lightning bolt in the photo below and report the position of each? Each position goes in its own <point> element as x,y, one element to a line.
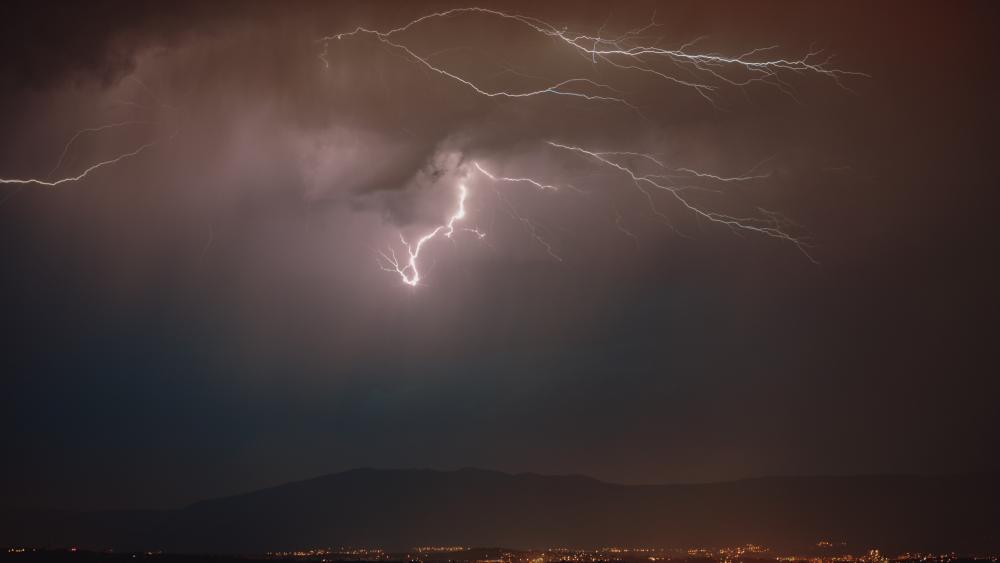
<point>98,129</point>
<point>408,269</point>
<point>766,222</point>
<point>48,180</point>
<point>631,52</point>
<point>496,178</point>
<point>86,171</point>
<point>561,88</point>
<point>530,226</point>
<point>625,52</point>
<point>634,53</point>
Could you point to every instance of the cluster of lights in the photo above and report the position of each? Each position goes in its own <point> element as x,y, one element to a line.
<point>365,554</point>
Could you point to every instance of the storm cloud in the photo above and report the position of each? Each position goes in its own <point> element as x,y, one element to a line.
<point>211,316</point>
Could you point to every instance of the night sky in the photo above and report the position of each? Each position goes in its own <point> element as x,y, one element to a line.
<point>210,316</point>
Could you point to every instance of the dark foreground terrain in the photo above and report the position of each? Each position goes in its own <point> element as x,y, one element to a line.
<point>400,509</point>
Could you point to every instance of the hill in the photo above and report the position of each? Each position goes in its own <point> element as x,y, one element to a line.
<point>398,509</point>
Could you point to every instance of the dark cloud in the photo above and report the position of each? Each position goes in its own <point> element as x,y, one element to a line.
<point>51,43</point>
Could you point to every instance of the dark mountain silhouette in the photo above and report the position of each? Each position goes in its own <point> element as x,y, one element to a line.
<point>399,509</point>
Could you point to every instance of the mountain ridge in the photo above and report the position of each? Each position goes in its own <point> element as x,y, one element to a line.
<point>401,508</point>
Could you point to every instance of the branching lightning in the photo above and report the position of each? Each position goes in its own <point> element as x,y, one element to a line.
<point>766,222</point>
<point>530,226</point>
<point>408,269</point>
<point>635,54</point>
<point>81,132</point>
<point>535,183</point>
<point>625,52</point>
<point>50,180</point>
<point>630,53</point>
<point>86,171</point>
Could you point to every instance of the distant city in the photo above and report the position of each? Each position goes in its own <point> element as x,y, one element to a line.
<point>838,552</point>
